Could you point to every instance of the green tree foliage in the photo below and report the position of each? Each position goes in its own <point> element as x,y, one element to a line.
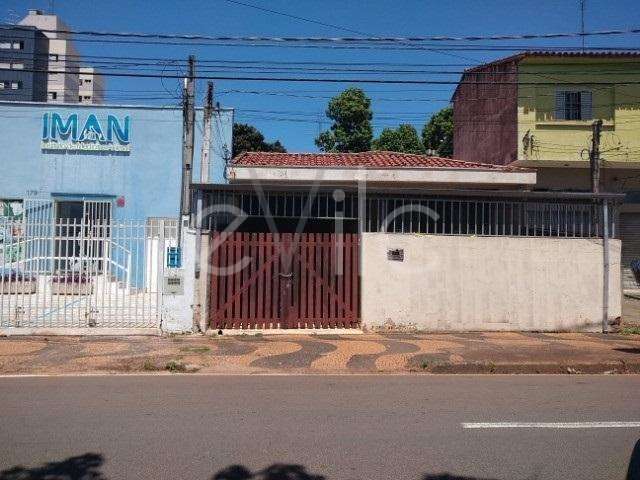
<point>438,133</point>
<point>402,139</point>
<point>351,130</point>
<point>247,138</point>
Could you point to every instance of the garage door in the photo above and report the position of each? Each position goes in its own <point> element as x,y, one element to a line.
<point>630,236</point>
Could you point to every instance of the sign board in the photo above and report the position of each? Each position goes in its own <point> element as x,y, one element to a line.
<point>74,133</point>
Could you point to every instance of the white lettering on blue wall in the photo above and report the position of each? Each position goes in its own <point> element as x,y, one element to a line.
<point>60,134</point>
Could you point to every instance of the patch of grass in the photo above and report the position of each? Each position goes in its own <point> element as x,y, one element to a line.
<point>150,366</point>
<point>200,349</point>
<point>630,330</point>
<point>492,367</point>
<point>425,364</point>
<point>174,366</point>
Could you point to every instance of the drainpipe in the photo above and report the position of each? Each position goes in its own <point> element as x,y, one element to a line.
<point>605,270</point>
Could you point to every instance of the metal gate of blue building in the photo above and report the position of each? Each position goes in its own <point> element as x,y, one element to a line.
<point>88,272</point>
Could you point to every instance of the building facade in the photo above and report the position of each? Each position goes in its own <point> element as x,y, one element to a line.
<point>387,240</point>
<point>64,61</point>
<point>536,109</point>
<point>127,156</point>
<point>91,86</point>
<point>23,50</point>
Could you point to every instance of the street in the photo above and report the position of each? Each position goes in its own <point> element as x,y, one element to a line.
<point>320,427</point>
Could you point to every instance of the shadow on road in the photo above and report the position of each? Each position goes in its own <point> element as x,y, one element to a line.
<point>82,467</point>
<point>446,476</point>
<point>633,472</point>
<point>277,471</point>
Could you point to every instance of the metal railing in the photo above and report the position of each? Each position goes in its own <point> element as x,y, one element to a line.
<point>521,214</point>
<point>74,273</point>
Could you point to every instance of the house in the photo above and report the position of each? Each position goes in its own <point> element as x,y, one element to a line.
<point>390,240</point>
<point>536,109</point>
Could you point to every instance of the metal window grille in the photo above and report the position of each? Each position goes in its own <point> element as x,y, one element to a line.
<point>428,214</point>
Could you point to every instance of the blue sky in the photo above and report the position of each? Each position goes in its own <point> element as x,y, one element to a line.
<point>286,113</point>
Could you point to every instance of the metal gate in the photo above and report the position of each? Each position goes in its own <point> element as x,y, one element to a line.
<point>91,272</point>
<point>630,237</point>
<point>265,280</point>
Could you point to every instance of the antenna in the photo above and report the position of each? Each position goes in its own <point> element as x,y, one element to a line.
<point>582,4</point>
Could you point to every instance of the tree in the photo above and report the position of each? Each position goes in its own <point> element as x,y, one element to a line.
<point>351,130</point>
<point>247,138</point>
<point>403,139</point>
<point>438,133</point>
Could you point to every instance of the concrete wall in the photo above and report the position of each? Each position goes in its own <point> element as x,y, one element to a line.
<point>178,310</point>
<point>487,283</point>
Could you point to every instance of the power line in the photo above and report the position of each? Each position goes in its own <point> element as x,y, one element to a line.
<point>363,39</point>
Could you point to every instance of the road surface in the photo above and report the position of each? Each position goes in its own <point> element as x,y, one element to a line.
<point>320,427</point>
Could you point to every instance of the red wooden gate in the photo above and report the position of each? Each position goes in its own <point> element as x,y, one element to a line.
<point>265,280</point>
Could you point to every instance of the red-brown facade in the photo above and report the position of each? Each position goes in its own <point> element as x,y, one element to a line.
<point>485,112</point>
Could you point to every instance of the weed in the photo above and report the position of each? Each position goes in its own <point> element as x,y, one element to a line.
<point>630,330</point>
<point>492,367</point>
<point>149,366</point>
<point>174,366</point>
<point>201,349</point>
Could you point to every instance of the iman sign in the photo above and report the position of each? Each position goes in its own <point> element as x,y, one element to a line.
<point>73,133</point>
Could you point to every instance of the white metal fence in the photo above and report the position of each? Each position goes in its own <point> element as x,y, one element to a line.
<point>82,273</point>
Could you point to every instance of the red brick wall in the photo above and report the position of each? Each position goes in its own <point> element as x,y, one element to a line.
<point>485,115</point>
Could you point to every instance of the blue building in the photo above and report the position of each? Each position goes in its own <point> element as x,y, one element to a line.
<point>125,157</point>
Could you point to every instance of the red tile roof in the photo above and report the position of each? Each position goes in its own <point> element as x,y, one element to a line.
<point>375,159</point>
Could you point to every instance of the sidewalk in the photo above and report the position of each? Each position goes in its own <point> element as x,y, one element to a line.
<point>367,353</point>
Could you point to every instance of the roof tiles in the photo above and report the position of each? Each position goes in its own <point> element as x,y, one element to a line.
<point>375,159</point>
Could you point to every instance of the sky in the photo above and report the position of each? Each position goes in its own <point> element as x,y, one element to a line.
<point>294,113</point>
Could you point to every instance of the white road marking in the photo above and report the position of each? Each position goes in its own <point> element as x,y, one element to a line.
<point>551,425</point>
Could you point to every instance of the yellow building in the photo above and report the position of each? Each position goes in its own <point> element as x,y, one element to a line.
<point>537,109</point>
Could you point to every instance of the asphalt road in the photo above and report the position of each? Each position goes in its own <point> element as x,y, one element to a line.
<point>318,427</point>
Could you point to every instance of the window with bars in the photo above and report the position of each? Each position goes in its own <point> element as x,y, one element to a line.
<point>573,105</point>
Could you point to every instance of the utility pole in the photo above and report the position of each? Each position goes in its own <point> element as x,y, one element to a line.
<point>201,258</point>
<point>594,160</point>
<point>188,122</point>
<point>594,156</point>
<point>206,135</point>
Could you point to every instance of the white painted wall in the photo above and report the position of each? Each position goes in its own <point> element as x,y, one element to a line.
<point>177,310</point>
<point>407,175</point>
<point>487,283</point>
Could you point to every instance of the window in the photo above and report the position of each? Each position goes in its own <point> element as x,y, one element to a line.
<point>5,65</point>
<point>52,95</point>
<point>53,57</point>
<point>573,105</point>
<point>17,66</point>
<point>87,80</point>
<point>80,98</point>
<point>17,45</point>
<point>87,97</point>
<point>16,85</point>
<point>5,45</point>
